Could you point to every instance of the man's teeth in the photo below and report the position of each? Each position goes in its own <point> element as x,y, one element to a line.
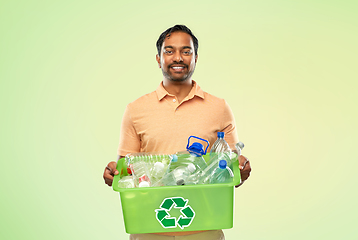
<point>178,67</point>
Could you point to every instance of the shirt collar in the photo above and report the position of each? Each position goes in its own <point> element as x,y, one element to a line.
<point>195,91</point>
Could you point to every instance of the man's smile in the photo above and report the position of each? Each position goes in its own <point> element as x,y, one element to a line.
<point>178,68</point>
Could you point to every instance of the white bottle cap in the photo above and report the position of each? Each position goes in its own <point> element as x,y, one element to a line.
<point>144,184</point>
<point>191,167</point>
<point>240,145</point>
<point>158,166</point>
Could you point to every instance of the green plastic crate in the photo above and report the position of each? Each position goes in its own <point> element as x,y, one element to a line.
<point>177,208</point>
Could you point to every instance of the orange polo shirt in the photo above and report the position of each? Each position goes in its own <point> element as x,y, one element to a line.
<point>158,123</point>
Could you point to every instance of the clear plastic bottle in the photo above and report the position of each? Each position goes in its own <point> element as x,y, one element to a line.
<point>239,146</point>
<point>144,181</point>
<point>179,175</point>
<point>220,145</point>
<point>219,151</point>
<point>140,172</point>
<point>153,166</point>
<point>126,182</point>
<point>193,154</point>
<point>222,174</point>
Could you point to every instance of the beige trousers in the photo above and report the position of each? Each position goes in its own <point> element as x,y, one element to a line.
<point>207,235</point>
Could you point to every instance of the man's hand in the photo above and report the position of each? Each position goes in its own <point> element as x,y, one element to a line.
<point>109,173</point>
<point>245,168</point>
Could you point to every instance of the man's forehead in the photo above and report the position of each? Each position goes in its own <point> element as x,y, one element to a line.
<point>178,39</point>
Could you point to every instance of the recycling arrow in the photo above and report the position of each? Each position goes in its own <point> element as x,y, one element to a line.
<point>161,214</point>
<point>167,221</point>
<point>184,222</point>
<point>179,201</point>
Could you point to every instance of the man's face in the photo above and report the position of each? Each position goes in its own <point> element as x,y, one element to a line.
<point>177,58</point>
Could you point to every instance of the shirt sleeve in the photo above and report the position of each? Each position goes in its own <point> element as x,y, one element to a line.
<point>229,126</point>
<point>129,141</point>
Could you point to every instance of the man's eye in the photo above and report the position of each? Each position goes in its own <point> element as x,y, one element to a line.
<point>168,52</point>
<point>186,52</point>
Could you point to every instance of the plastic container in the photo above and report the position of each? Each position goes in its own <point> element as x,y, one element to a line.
<point>177,208</point>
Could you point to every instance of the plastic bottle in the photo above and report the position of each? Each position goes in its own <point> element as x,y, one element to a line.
<point>179,175</point>
<point>239,146</point>
<point>144,181</point>
<point>140,172</point>
<point>152,166</point>
<point>220,145</point>
<point>194,154</point>
<point>126,182</point>
<point>222,174</point>
<point>149,158</point>
<point>219,151</point>
<point>159,170</point>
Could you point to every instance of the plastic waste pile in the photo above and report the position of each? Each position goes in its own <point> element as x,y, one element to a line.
<point>183,168</point>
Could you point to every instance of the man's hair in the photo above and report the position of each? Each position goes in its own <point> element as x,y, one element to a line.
<point>177,28</point>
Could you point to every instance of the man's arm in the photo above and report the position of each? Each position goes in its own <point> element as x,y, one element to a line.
<point>232,139</point>
<point>128,142</point>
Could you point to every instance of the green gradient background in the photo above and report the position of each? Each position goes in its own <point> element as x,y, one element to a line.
<point>287,69</point>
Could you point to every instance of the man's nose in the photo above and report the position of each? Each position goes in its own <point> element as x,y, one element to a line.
<point>177,57</point>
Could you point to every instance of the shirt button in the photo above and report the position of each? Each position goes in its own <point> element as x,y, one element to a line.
<point>174,100</point>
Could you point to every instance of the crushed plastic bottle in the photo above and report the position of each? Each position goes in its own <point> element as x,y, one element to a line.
<point>140,172</point>
<point>179,175</point>
<point>152,166</point>
<point>126,182</point>
<point>222,174</point>
<point>144,181</point>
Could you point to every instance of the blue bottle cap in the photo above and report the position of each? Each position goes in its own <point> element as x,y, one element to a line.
<point>221,134</point>
<point>197,149</point>
<point>222,164</point>
<point>174,158</point>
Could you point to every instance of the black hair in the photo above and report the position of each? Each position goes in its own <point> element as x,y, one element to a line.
<point>177,28</point>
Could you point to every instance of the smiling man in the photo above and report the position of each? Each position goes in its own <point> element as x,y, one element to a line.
<point>162,120</point>
<point>177,58</point>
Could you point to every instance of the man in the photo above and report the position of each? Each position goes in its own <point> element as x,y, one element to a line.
<point>162,121</point>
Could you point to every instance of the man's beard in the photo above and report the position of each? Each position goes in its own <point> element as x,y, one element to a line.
<point>170,77</point>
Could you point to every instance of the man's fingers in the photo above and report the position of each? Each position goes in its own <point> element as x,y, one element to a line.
<point>109,172</point>
<point>245,167</point>
<point>242,162</point>
<point>112,168</point>
<point>108,181</point>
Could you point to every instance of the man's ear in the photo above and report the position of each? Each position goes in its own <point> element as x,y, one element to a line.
<point>158,60</point>
<point>196,58</point>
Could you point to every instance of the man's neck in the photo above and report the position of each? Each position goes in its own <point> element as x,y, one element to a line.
<point>179,89</point>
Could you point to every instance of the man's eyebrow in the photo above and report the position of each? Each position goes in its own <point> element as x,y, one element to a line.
<point>184,47</point>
